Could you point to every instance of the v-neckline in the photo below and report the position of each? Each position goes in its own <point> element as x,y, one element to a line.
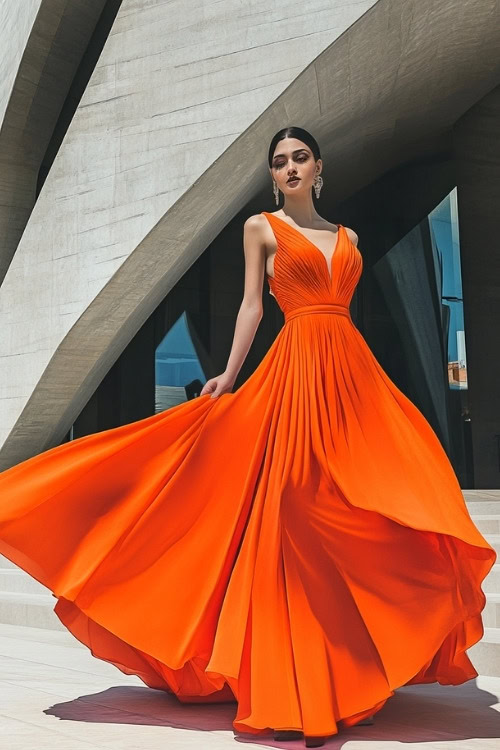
<point>329,270</point>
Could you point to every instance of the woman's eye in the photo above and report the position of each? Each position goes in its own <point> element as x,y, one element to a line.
<point>281,164</point>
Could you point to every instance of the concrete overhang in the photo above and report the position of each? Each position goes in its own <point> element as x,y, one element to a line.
<point>53,35</point>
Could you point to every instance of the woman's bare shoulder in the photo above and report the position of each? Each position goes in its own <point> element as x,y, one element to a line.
<point>257,227</point>
<point>352,235</point>
<point>255,222</point>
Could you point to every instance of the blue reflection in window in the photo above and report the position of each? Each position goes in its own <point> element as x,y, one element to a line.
<point>446,246</point>
<point>176,365</point>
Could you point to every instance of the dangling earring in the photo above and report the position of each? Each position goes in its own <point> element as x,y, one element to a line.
<point>276,192</point>
<point>318,184</point>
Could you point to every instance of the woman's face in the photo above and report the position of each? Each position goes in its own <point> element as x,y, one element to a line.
<point>293,166</point>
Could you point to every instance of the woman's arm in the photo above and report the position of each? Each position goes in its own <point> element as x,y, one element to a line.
<point>250,312</point>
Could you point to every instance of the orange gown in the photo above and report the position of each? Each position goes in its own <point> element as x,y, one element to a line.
<point>300,546</point>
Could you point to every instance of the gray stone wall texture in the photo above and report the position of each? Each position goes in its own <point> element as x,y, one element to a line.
<point>42,44</point>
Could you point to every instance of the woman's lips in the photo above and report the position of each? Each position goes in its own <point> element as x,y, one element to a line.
<point>293,181</point>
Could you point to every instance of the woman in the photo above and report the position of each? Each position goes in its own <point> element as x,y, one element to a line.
<point>301,545</point>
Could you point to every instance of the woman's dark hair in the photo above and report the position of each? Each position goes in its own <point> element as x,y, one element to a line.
<point>294,132</point>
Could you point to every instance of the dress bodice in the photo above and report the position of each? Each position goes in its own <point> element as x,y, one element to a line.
<point>301,273</point>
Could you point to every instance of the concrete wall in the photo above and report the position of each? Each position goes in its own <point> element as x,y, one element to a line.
<point>41,45</point>
<point>16,22</point>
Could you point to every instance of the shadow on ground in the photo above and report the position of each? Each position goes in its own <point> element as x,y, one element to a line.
<point>416,713</point>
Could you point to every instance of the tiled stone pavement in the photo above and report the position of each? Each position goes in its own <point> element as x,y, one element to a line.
<point>54,695</point>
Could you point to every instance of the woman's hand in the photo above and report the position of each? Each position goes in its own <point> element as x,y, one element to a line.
<point>217,386</point>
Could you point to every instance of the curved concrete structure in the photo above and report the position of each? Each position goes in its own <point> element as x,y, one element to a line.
<point>42,42</point>
<point>167,147</point>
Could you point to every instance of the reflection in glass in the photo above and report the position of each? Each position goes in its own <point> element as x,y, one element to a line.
<point>178,372</point>
<point>446,247</point>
